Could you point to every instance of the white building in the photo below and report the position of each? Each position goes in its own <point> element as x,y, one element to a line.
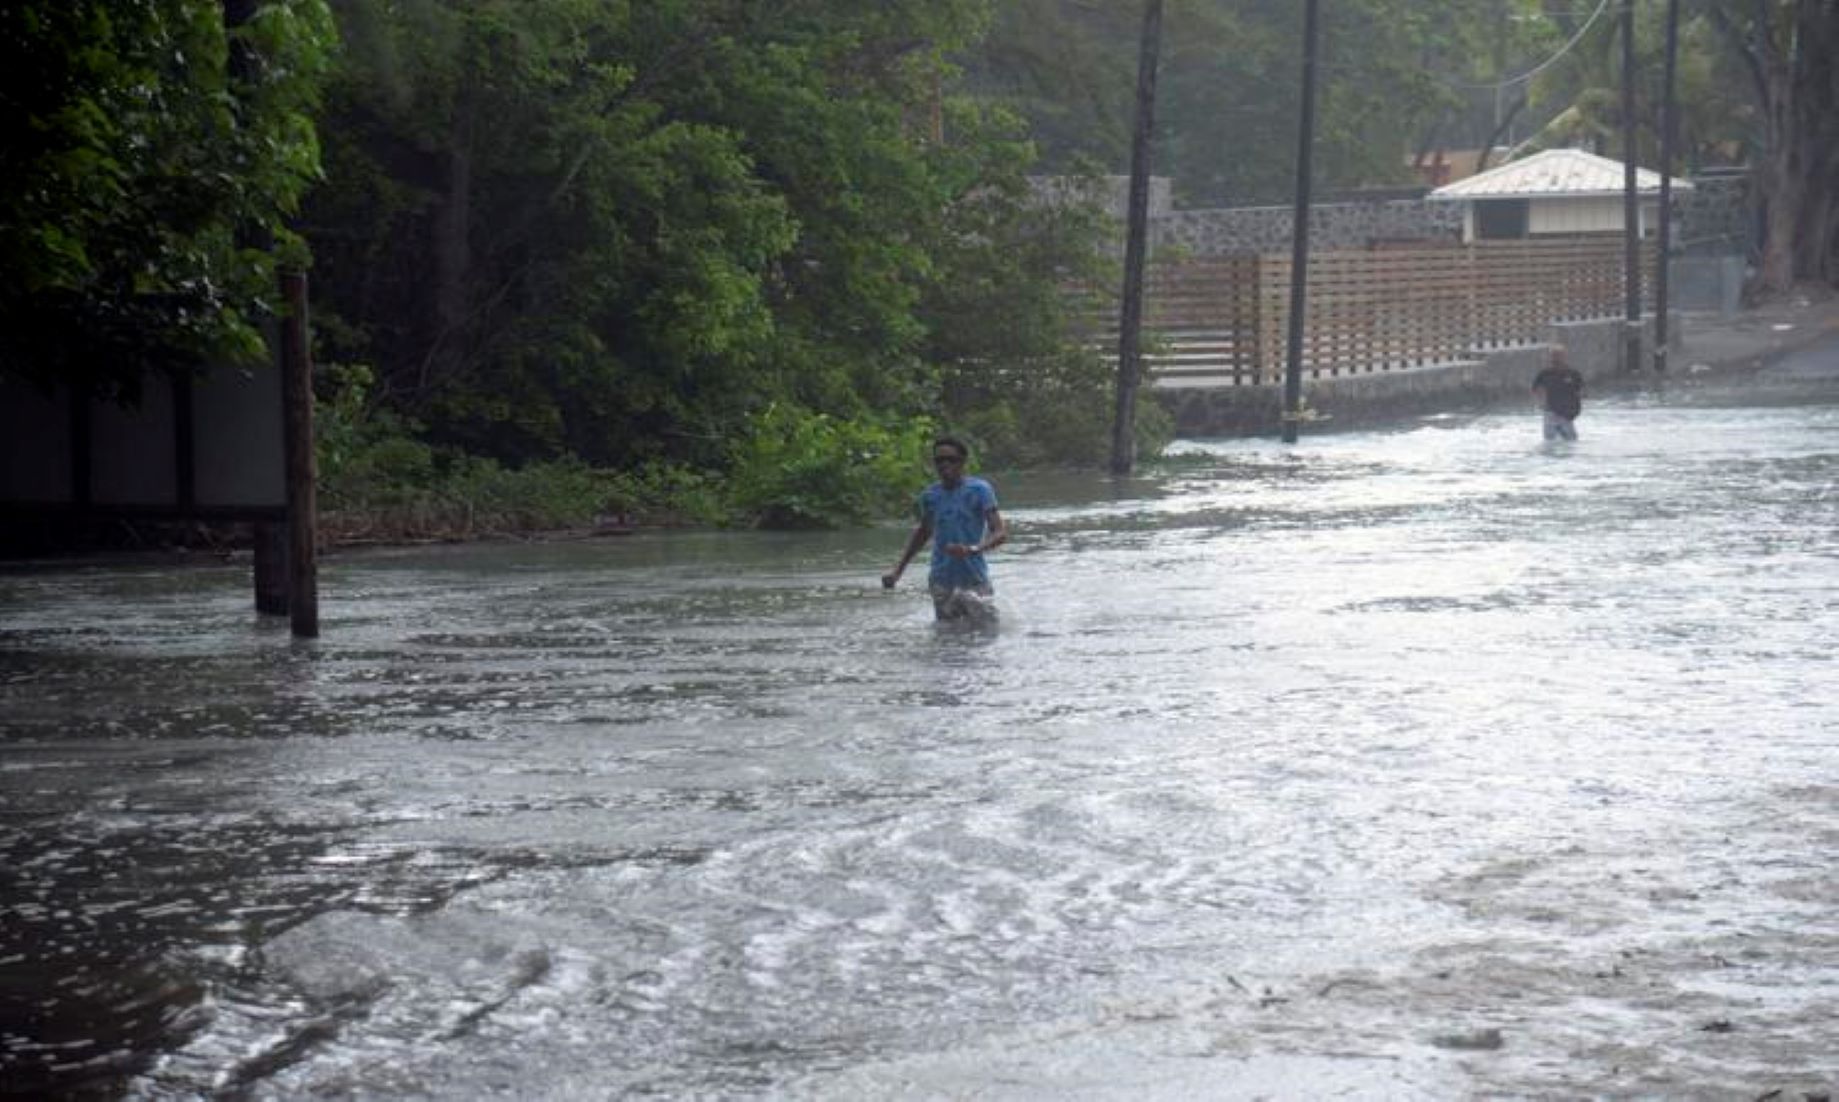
<point>1559,191</point>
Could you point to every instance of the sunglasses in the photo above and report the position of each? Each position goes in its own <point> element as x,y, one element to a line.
<point>947,460</point>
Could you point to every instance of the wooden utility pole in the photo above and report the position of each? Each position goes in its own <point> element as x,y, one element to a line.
<point>1136,247</point>
<point>1631,199</point>
<point>1299,234</point>
<point>302,471</point>
<point>1669,135</point>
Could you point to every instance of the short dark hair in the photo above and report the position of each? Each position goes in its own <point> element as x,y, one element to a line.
<point>964,452</point>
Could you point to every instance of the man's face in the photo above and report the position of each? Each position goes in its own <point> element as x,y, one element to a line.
<point>950,465</point>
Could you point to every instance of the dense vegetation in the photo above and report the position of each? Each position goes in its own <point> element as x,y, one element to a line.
<point>680,237</point>
<point>734,259</point>
<point>154,152</point>
<point>755,246</point>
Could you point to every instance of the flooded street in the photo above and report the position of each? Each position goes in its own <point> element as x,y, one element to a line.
<point>1431,763</point>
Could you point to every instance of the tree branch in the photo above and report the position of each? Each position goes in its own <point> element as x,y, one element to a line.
<point>1746,53</point>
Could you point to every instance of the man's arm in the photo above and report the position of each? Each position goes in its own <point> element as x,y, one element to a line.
<point>995,533</point>
<point>921,533</point>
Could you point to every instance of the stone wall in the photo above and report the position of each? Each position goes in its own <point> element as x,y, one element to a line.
<point>1332,226</point>
<point>1713,219</point>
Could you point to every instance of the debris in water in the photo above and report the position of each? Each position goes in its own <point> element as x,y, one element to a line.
<point>1482,1040</point>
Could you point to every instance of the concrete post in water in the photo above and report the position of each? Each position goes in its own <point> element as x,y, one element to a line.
<point>1669,135</point>
<point>1136,247</point>
<point>302,502</point>
<point>1631,199</point>
<point>1299,234</point>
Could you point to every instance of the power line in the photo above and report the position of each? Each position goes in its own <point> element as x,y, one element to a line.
<point>1510,81</point>
<point>1547,63</point>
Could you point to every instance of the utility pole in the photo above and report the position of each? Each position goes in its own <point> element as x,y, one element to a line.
<point>302,470</point>
<point>1669,136</point>
<point>1631,199</point>
<point>1299,235</point>
<point>1136,247</point>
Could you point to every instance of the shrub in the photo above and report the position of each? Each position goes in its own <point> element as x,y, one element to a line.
<point>799,469</point>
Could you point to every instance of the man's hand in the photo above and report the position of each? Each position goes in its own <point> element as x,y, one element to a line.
<point>888,579</point>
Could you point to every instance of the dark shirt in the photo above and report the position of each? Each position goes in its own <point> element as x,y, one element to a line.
<point>1564,390</point>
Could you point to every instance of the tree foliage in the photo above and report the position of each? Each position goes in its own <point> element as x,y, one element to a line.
<point>152,159</point>
<point>1230,86</point>
<point>1757,85</point>
<point>622,231</point>
<point>1787,53</point>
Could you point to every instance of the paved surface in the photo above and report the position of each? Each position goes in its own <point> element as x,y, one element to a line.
<point>1780,336</point>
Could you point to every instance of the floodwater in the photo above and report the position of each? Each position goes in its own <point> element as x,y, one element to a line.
<point>1425,763</point>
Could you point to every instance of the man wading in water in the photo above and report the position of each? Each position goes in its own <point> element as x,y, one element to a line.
<point>1559,389</point>
<point>959,515</point>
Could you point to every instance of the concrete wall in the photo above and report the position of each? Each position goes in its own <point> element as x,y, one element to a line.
<point>1487,379</point>
<point>1713,284</point>
<point>237,456</point>
<point>35,444</point>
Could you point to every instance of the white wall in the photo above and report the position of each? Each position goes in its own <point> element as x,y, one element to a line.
<point>1602,214</point>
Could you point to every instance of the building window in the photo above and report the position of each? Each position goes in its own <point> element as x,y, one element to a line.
<point>1500,218</point>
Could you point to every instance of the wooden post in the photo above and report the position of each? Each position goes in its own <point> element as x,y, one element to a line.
<point>1299,234</point>
<point>1669,127</point>
<point>1631,200</point>
<point>297,414</point>
<point>1136,247</point>
<point>1245,351</point>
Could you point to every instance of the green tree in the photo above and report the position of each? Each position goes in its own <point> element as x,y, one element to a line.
<point>1786,52</point>
<point>623,231</point>
<point>1230,87</point>
<point>152,158</point>
<point>1581,90</point>
<point>1756,84</point>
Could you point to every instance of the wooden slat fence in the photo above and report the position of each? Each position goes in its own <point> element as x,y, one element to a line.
<point>1200,316</point>
<point>1223,320</point>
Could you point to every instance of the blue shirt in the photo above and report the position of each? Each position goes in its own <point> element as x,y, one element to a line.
<point>957,516</point>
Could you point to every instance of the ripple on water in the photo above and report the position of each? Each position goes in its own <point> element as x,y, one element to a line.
<point>1429,759</point>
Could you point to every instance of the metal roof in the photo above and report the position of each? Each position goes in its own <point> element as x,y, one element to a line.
<point>1555,173</point>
